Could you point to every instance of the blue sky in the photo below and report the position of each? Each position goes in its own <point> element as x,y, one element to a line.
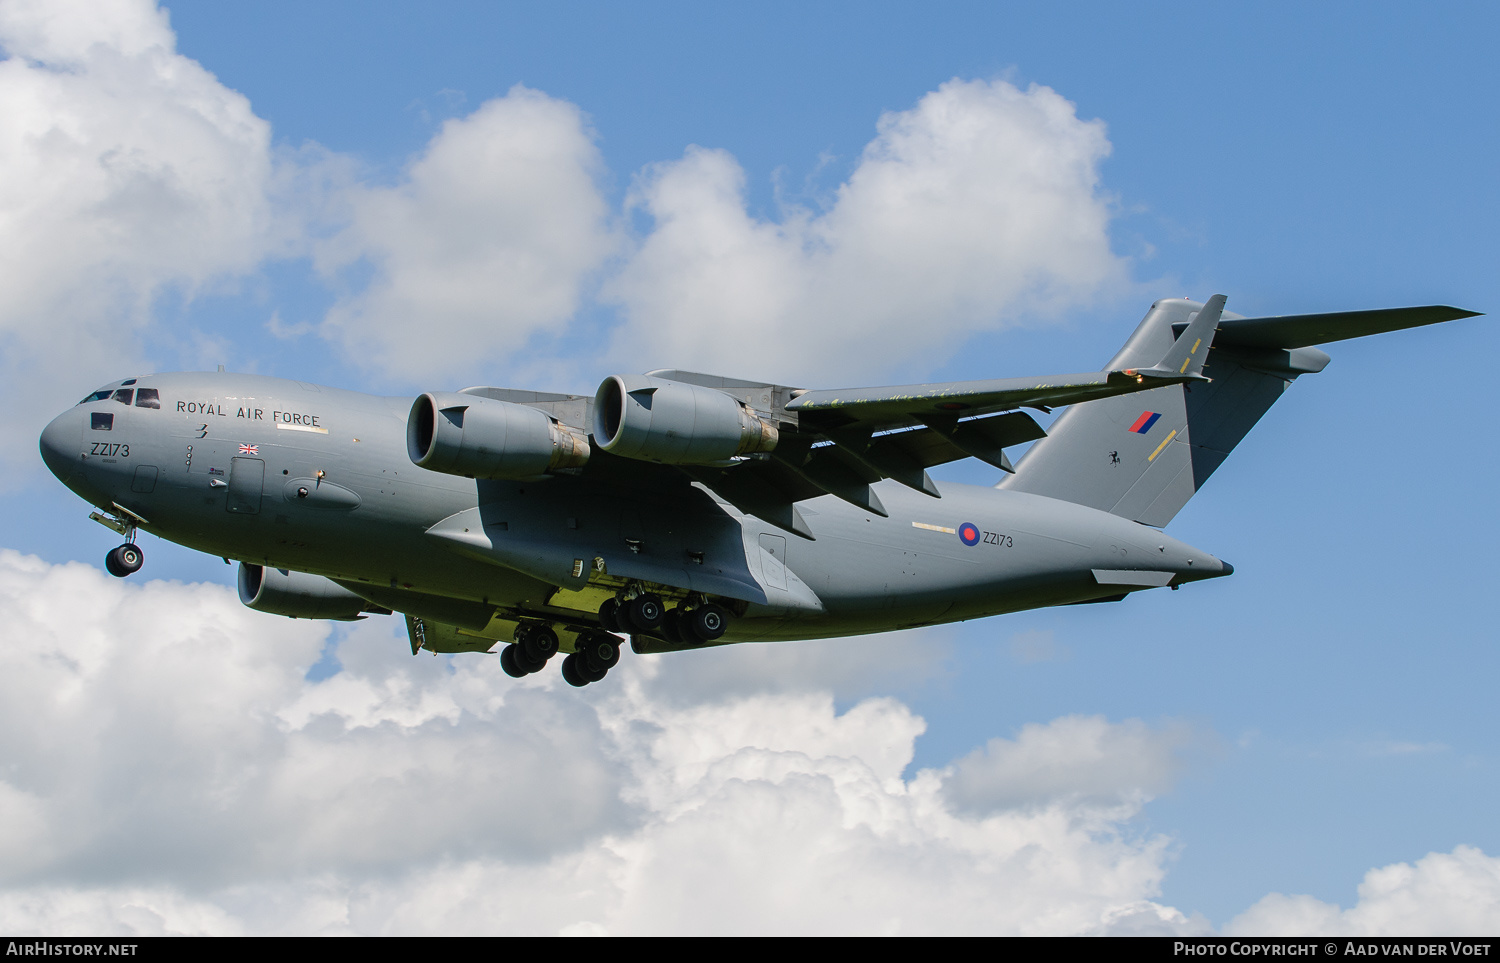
<point>1328,709</point>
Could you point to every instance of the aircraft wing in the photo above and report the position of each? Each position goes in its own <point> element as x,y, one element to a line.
<point>1183,362</point>
<point>844,441</point>
<point>966,398</point>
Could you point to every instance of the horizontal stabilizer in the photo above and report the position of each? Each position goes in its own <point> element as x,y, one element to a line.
<point>1304,330</point>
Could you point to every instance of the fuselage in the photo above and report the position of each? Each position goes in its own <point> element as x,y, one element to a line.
<point>315,479</point>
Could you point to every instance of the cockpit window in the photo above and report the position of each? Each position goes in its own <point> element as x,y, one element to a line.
<point>129,382</point>
<point>147,398</point>
<point>97,396</point>
<point>102,421</point>
<point>124,395</point>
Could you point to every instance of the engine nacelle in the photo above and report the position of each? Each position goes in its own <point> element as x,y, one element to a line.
<point>483,438</point>
<point>653,419</point>
<point>297,595</point>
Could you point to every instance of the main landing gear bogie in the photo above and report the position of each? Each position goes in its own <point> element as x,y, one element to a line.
<point>594,655</point>
<point>646,614</point>
<point>696,626</point>
<point>534,646</point>
<point>642,613</point>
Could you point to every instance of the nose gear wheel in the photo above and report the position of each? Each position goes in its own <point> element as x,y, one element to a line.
<point>125,560</point>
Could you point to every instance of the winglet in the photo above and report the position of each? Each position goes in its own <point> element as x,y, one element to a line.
<point>1186,356</point>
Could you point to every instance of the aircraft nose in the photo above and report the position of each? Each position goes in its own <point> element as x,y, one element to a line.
<point>59,444</point>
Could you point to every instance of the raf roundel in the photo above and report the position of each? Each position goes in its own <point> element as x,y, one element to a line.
<point>969,533</point>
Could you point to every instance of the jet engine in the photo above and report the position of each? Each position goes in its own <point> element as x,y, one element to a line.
<point>298,595</point>
<point>653,419</point>
<point>483,438</point>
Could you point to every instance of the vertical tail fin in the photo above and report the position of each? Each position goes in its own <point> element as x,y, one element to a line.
<point>1143,455</point>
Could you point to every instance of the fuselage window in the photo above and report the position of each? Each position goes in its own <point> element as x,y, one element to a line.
<point>123,395</point>
<point>147,398</point>
<point>102,420</point>
<point>97,396</point>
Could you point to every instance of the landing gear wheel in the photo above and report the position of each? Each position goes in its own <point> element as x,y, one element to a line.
<point>707,623</point>
<point>609,615</point>
<point>508,662</point>
<point>600,653</point>
<point>587,672</point>
<point>525,661</point>
<point>570,672</point>
<point>645,613</point>
<point>125,560</point>
<point>538,644</point>
<point>672,628</point>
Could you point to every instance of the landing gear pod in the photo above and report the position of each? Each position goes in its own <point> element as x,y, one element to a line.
<point>297,595</point>
<point>652,419</point>
<point>483,438</point>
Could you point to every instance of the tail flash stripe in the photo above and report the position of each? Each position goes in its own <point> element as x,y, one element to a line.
<point>1165,441</point>
<point>1144,422</point>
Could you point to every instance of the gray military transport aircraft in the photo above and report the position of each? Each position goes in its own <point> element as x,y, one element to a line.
<point>686,510</point>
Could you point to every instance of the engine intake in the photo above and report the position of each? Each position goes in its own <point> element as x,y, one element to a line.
<point>653,419</point>
<point>298,595</point>
<point>483,438</point>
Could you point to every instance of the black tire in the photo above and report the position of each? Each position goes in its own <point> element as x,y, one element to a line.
<point>525,662</point>
<point>570,672</point>
<point>646,612</point>
<point>125,560</point>
<point>600,652</point>
<point>671,629</point>
<point>609,615</point>
<point>587,672</point>
<point>508,662</point>
<point>539,644</point>
<point>707,623</point>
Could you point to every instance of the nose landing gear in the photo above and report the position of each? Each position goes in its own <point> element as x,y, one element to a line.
<point>128,558</point>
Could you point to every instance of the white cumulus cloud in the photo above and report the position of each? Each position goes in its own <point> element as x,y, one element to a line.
<point>485,243</point>
<point>1441,894</point>
<point>978,208</point>
<point>126,171</point>
<point>167,767</point>
<point>1086,760</point>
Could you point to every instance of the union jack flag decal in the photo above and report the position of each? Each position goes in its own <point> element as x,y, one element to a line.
<point>249,449</point>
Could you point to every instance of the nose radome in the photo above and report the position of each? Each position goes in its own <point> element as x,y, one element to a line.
<point>59,444</point>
